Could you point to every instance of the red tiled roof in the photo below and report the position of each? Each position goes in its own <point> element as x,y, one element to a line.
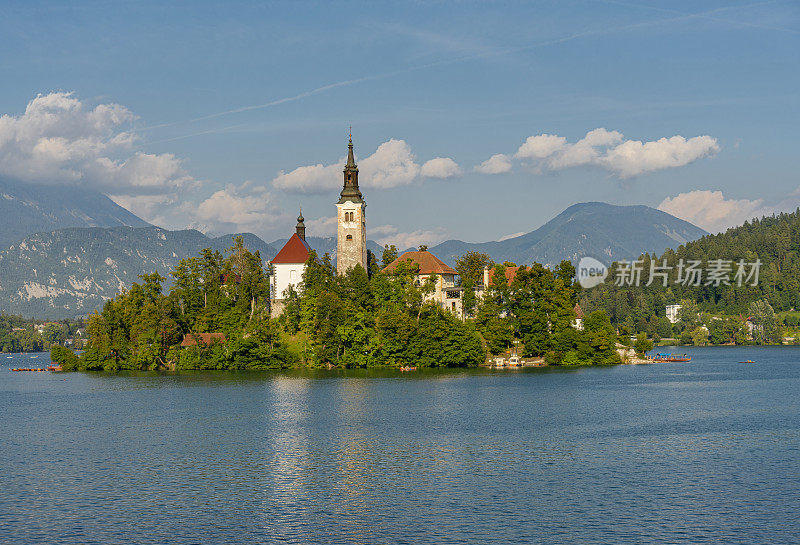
<point>295,250</point>
<point>428,263</point>
<point>578,311</point>
<point>205,338</point>
<point>511,273</point>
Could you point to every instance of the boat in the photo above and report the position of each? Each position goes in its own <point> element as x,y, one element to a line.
<point>54,367</point>
<point>408,368</point>
<point>29,369</point>
<point>748,361</point>
<point>668,358</point>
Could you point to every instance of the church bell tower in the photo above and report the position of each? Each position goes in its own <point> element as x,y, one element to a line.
<point>351,245</point>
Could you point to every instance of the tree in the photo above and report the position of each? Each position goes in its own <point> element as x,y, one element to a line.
<point>642,345</point>
<point>765,323</point>
<point>389,255</point>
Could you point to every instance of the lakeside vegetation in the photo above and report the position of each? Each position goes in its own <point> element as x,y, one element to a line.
<point>715,314</point>
<point>18,334</point>
<point>352,320</point>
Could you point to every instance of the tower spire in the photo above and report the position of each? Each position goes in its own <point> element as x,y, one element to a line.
<point>350,191</point>
<point>300,228</point>
<point>351,162</point>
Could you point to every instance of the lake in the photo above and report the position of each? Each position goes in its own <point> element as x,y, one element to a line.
<point>699,452</point>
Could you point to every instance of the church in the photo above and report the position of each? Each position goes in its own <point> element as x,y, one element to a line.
<point>351,243</point>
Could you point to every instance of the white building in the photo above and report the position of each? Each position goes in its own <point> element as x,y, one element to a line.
<point>288,266</point>
<point>672,313</point>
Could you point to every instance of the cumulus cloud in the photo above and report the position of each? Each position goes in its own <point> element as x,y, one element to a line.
<point>606,149</point>
<point>633,157</point>
<point>231,209</point>
<point>392,164</point>
<point>440,167</point>
<point>712,211</point>
<point>389,234</point>
<point>59,139</point>
<point>322,227</point>
<point>541,146</point>
<point>496,164</point>
<point>311,179</point>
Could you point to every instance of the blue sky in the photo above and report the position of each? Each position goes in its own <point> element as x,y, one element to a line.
<point>215,101</point>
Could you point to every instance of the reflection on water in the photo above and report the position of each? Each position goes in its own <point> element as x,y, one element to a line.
<point>705,452</point>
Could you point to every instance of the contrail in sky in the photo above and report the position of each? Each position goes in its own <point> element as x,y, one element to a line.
<point>345,83</point>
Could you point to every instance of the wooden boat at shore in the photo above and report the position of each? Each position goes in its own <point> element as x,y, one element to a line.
<point>408,368</point>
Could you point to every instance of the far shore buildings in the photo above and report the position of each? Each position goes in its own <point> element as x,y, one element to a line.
<point>672,313</point>
<point>351,250</point>
<point>445,293</point>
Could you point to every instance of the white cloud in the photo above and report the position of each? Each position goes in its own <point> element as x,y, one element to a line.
<point>512,235</point>
<point>633,157</point>
<point>389,234</point>
<point>311,179</point>
<point>59,139</point>
<point>715,213</point>
<point>440,167</point>
<point>229,209</point>
<point>541,146</point>
<point>496,164</point>
<point>608,150</point>
<point>322,227</point>
<point>393,164</point>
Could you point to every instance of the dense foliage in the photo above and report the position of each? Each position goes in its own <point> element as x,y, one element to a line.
<point>353,320</point>
<point>537,310</point>
<point>775,241</point>
<point>18,334</point>
<point>217,316</point>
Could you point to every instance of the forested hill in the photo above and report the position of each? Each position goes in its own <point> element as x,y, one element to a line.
<point>774,240</point>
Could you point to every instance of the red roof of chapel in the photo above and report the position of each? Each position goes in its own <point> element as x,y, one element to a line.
<point>295,250</point>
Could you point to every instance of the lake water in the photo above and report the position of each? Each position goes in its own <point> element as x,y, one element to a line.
<point>700,452</point>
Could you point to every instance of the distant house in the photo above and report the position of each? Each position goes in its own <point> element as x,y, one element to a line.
<point>488,277</point>
<point>288,267</point>
<point>445,292</point>
<point>672,312</point>
<point>577,323</point>
<point>203,339</point>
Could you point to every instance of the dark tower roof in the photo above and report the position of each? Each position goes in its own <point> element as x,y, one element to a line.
<point>300,228</point>
<point>350,191</point>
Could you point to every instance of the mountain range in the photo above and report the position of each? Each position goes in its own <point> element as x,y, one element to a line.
<point>67,251</point>
<point>604,231</point>
<point>27,209</point>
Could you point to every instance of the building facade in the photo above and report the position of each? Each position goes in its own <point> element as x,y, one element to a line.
<point>672,313</point>
<point>445,291</point>
<point>288,267</point>
<point>351,242</point>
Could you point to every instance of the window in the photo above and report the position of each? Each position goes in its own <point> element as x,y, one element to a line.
<point>292,276</point>
<point>349,237</point>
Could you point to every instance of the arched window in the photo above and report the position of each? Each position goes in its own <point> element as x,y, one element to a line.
<point>349,237</point>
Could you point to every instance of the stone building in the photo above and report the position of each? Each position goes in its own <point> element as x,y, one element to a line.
<point>445,293</point>
<point>351,244</point>
<point>288,266</point>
